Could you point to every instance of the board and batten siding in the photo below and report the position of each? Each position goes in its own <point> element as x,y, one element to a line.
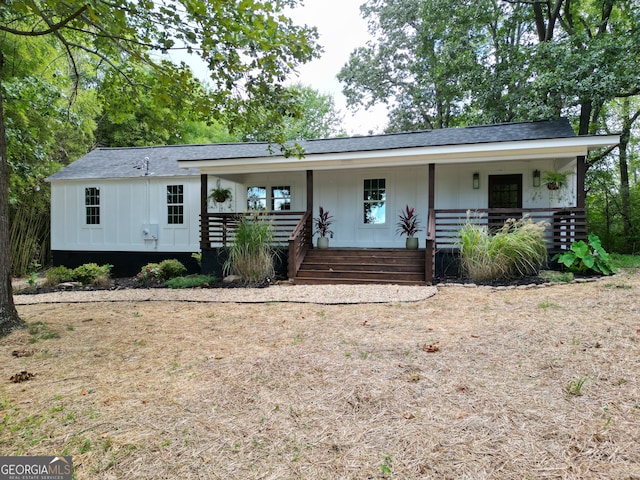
<point>294,180</point>
<point>454,184</point>
<point>341,192</point>
<point>127,207</point>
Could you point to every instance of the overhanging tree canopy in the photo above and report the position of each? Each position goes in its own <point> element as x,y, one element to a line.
<point>249,46</point>
<point>440,63</point>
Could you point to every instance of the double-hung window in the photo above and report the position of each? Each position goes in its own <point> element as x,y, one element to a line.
<point>258,198</point>
<point>280,198</point>
<point>92,205</point>
<point>374,201</point>
<point>175,204</point>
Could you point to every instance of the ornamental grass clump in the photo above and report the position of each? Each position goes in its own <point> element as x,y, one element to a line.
<point>515,250</point>
<point>251,256</point>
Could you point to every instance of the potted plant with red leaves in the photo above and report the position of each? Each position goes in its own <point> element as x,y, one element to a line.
<point>321,224</point>
<point>408,225</point>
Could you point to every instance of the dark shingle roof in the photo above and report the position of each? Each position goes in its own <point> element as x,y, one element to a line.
<point>163,161</point>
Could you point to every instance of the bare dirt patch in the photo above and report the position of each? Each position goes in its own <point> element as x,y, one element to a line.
<point>170,389</point>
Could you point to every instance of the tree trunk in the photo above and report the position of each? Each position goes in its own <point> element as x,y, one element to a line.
<point>623,165</point>
<point>585,116</point>
<point>9,318</point>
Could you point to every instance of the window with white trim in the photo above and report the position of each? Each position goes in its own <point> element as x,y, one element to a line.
<point>374,201</point>
<point>92,205</point>
<point>175,204</point>
<point>280,198</point>
<point>257,198</point>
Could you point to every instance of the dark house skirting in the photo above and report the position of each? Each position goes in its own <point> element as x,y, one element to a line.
<point>125,264</point>
<point>128,264</point>
<point>213,261</point>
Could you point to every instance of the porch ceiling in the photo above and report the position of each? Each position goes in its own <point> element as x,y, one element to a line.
<point>446,154</point>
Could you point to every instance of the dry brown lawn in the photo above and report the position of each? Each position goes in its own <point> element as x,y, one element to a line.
<point>469,384</point>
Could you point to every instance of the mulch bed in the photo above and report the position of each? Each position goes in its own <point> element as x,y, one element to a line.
<point>132,283</point>
<point>128,283</point>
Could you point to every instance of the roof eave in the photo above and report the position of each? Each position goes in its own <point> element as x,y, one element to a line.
<point>187,173</point>
<point>445,154</point>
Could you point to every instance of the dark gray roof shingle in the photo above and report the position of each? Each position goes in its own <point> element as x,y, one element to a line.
<point>163,161</point>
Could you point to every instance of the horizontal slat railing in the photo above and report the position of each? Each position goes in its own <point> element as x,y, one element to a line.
<point>219,228</point>
<point>300,242</point>
<point>563,225</point>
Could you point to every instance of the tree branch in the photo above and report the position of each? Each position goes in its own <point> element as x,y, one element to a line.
<point>53,28</point>
<point>600,156</point>
<point>631,93</point>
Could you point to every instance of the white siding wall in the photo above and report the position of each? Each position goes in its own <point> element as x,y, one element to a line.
<point>126,205</point>
<point>454,188</point>
<point>341,192</point>
<point>296,181</point>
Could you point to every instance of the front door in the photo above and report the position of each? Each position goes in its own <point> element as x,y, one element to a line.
<point>505,192</point>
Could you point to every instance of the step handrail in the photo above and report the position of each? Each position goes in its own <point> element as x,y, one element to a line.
<point>299,244</point>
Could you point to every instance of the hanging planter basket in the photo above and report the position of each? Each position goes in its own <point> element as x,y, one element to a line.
<point>555,180</point>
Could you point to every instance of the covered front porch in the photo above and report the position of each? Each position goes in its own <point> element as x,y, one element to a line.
<point>303,263</point>
<point>491,171</point>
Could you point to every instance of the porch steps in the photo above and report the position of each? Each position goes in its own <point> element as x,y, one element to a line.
<point>381,266</point>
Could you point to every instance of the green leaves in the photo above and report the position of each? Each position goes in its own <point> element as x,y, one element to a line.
<point>307,114</point>
<point>583,257</point>
<point>249,45</point>
<point>438,63</point>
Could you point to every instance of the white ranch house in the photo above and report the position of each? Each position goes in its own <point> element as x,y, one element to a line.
<point>131,206</point>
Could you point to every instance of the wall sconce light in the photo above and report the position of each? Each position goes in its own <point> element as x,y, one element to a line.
<point>536,178</point>
<point>476,181</point>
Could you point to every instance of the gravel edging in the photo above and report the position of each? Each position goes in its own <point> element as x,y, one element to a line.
<point>319,294</point>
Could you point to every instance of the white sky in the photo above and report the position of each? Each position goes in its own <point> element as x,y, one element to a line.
<point>341,29</point>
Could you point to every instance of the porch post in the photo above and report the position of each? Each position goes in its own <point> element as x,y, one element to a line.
<point>204,218</point>
<point>580,189</point>
<point>431,222</point>
<point>309,226</point>
<point>309,190</point>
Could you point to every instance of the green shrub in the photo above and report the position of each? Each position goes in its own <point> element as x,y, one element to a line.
<point>171,268</point>
<point>584,258</point>
<point>151,271</point>
<point>57,275</point>
<point>87,274</point>
<point>515,250</point>
<point>251,256</point>
<point>92,274</point>
<point>191,281</point>
<point>161,271</point>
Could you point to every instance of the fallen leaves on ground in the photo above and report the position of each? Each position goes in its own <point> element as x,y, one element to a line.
<point>23,376</point>
<point>431,347</point>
